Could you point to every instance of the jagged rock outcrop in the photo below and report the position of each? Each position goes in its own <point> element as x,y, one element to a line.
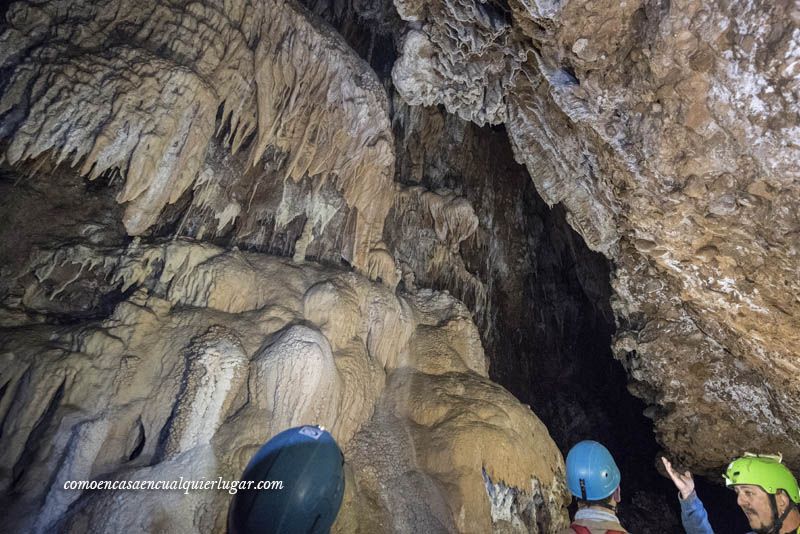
<point>425,229</point>
<point>668,131</point>
<point>264,74</point>
<point>215,351</point>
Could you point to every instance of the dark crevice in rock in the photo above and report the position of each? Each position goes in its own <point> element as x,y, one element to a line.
<point>225,130</point>
<point>47,210</point>
<point>2,396</point>
<point>141,439</point>
<point>106,301</point>
<point>22,383</point>
<point>172,219</point>
<point>369,27</point>
<point>36,437</point>
<point>4,4</point>
<point>161,451</point>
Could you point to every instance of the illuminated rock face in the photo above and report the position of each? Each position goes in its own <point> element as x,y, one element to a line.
<point>260,73</point>
<point>216,351</point>
<point>153,325</point>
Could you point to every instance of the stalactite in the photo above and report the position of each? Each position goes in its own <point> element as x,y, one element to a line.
<point>147,106</point>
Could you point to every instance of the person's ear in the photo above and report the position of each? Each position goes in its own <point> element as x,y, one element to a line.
<point>618,494</point>
<point>782,500</point>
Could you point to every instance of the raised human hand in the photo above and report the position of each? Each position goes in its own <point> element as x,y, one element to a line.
<point>684,482</point>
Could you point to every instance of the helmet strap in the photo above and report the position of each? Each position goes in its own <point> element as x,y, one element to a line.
<point>777,520</point>
<point>611,507</point>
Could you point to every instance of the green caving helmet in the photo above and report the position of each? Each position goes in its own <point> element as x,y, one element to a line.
<point>765,471</point>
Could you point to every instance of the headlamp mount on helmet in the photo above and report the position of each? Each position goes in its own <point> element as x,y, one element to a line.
<point>768,472</point>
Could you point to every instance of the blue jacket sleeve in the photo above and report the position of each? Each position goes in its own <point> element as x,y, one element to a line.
<point>694,516</point>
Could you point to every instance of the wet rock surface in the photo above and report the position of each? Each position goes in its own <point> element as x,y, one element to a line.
<point>161,165</point>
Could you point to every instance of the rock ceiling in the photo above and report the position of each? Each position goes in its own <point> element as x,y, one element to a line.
<point>670,132</point>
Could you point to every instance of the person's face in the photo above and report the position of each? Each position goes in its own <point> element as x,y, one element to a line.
<point>754,502</point>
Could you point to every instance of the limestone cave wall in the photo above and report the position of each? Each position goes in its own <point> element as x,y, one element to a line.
<point>668,131</point>
<point>218,220</point>
<point>190,356</point>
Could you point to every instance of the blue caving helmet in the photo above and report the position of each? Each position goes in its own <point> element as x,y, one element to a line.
<point>592,474</point>
<point>309,463</point>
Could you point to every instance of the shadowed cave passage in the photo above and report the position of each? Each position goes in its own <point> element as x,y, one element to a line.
<point>541,300</point>
<point>550,346</point>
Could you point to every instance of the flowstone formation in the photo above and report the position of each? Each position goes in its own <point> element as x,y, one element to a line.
<point>217,220</point>
<point>669,133</point>
<point>215,351</point>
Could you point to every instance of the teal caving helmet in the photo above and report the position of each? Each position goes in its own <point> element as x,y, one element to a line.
<point>592,474</point>
<point>309,463</point>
